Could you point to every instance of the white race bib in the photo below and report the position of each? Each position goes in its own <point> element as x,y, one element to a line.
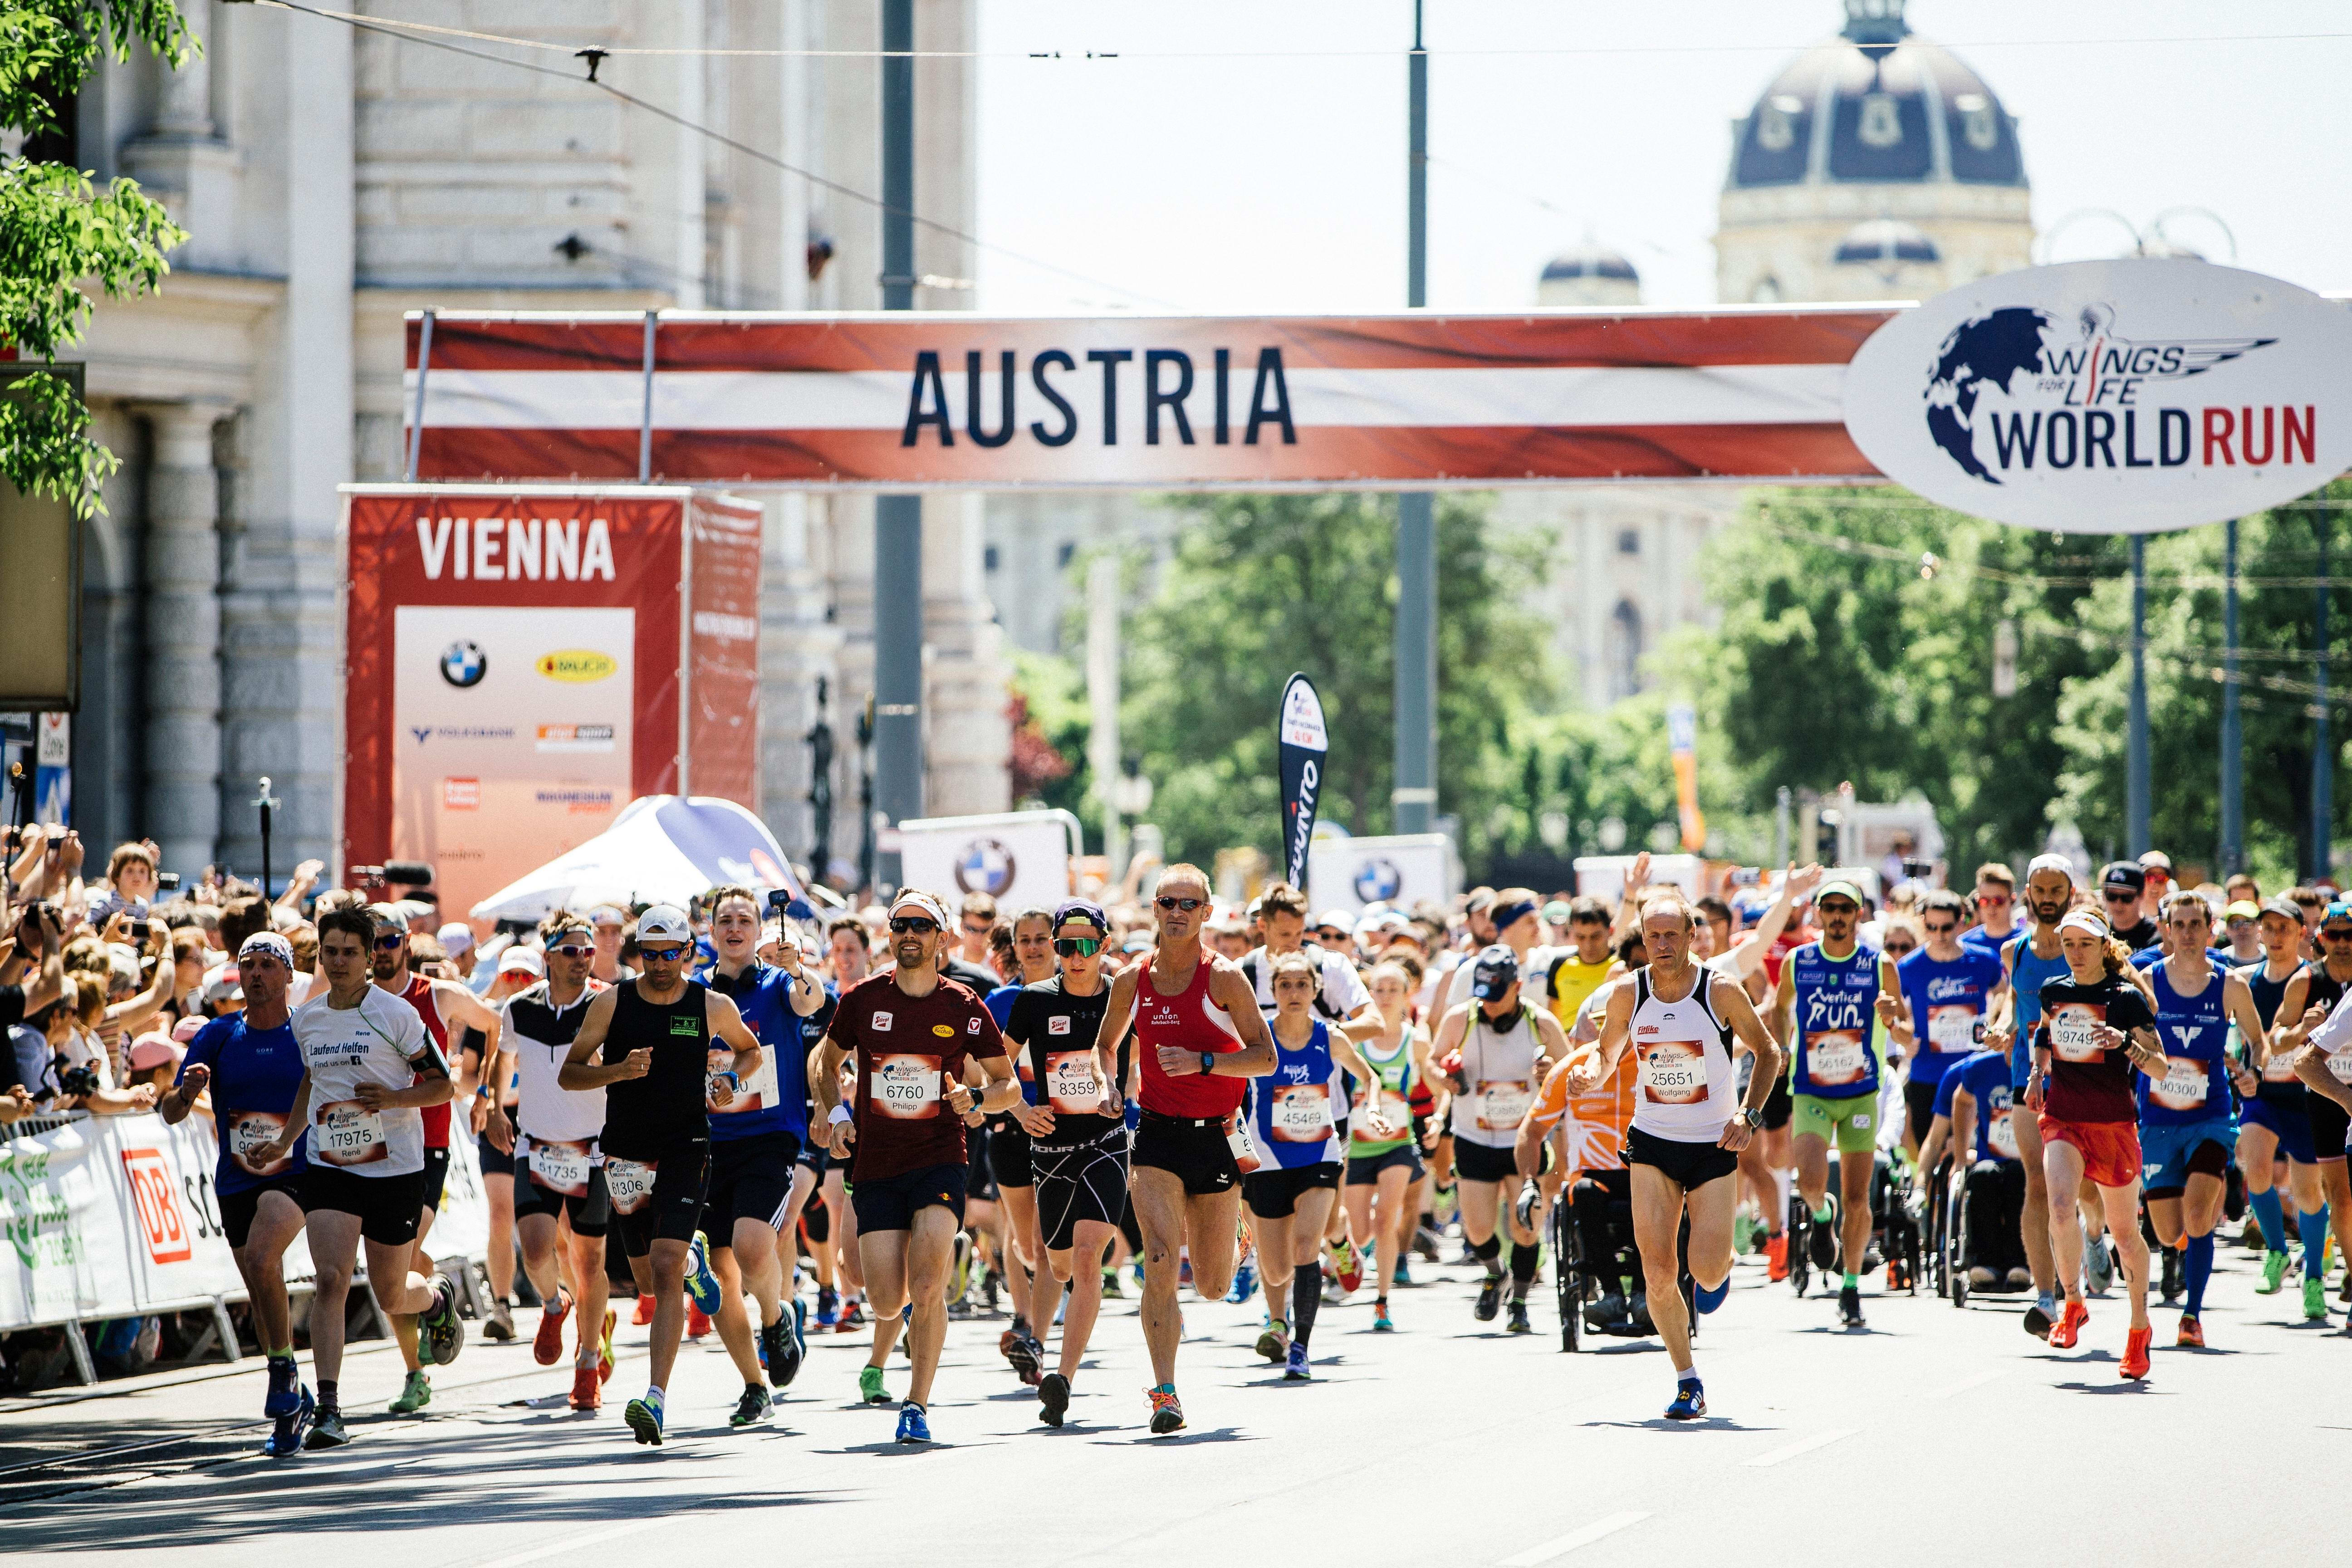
<point>250,1132</point>
<point>349,1133</point>
<point>1836,1057</point>
<point>561,1167</point>
<point>1301,1113</point>
<point>1953,1028</point>
<point>629,1184</point>
<point>1070,1083</point>
<point>2279,1068</point>
<point>2340,1063</point>
<point>1503,1104</point>
<point>1394,1111</point>
<point>1674,1072</point>
<point>2002,1136</point>
<point>905,1087</point>
<point>2183,1085</point>
<point>2069,1033</point>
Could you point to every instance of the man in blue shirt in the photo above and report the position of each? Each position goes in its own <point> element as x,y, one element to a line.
<point>755,1141</point>
<point>251,1064</point>
<point>1971,1114</point>
<point>1948,990</point>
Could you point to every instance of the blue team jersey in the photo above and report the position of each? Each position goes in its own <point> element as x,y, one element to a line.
<point>2193,1031</point>
<point>775,1097</point>
<point>2028,974</point>
<point>1984,1075</point>
<point>1294,1106</point>
<point>1835,1058</point>
<point>255,1074</point>
<point>1947,1003</point>
<point>2150,957</point>
<point>999,1004</point>
<point>1977,939</point>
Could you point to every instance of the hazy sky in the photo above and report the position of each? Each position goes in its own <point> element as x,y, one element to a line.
<point>1250,156</point>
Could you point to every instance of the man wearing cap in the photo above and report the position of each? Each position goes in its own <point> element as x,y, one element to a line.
<point>2122,888</point>
<point>911,1033</point>
<point>611,924</point>
<point>250,1062</point>
<point>2241,918</point>
<point>457,939</point>
<point>2156,865</point>
<point>656,1034</point>
<point>2032,960</point>
<point>1495,1048</point>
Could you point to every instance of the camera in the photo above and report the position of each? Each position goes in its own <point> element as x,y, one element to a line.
<point>140,930</point>
<point>80,1078</point>
<point>167,882</point>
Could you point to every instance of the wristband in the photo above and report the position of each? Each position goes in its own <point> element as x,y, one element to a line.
<point>840,1114</point>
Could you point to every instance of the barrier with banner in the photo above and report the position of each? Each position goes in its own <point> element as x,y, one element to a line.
<point>1016,858</point>
<point>114,1216</point>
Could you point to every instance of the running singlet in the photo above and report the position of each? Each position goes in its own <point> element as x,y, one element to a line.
<point>2028,974</point>
<point>647,1117</point>
<point>1834,1058</point>
<point>1498,1078</point>
<point>1190,1021</point>
<point>1685,1089</point>
<point>1947,1008</point>
<point>1984,1075</point>
<point>419,995</point>
<point>2279,1085</point>
<point>2087,1081</point>
<point>2193,1031</point>
<point>1293,1105</point>
<point>381,1041</point>
<point>540,1034</point>
<point>255,1074</point>
<point>775,1097</point>
<point>1054,1032</point>
<point>1395,1079</point>
<point>908,1051</point>
<point>2333,1037</point>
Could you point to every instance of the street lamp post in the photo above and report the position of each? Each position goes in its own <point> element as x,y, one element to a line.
<point>898,519</point>
<point>1415,799</point>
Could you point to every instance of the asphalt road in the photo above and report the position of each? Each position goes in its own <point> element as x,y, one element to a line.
<point>1936,1436</point>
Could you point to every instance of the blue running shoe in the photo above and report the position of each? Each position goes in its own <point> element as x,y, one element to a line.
<point>701,1284</point>
<point>285,1395</point>
<point>1708,1300</point>
<point>287,1437</point>
<point>1244,1283</point>
<point>645,1419</point>
<point>1690,1401</point>
<point>1294,1365</point>
<point>912,1425</point>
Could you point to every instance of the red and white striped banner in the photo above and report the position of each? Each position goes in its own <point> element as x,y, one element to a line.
<point>954,400</point>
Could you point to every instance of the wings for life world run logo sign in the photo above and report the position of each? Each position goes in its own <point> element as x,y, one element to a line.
<point>2110,396</point>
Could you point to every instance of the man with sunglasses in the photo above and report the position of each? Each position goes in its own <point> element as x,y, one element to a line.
<point>1199,1038</point>
<point>658,1034</point>
<point>1946,989</point>
<point>440,1002</point>
<point>975,919</point>
<point>2314,999</point>
<point>2032,960</point>
<point>911,1032</point>
<point>1996,909</point>
<point>2122,888</point>
<point>1009,1163</point>
<point>1076,1147</point>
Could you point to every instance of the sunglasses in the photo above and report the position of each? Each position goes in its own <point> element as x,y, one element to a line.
<point>389,940</point>
<point>667,953</point>
<point>2119,897</point>
<point>982,928</point>
<point>1839,907</point>
<point>1943,929</point>
<point>917,925</point>
<point>573,950</point>
<point>1897,948</point>
<point>1167,901</point>
<point>1078,946</point>
<point>2334,933</point>
<point>1995,900</point>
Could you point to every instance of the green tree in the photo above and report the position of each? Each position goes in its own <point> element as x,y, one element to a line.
<point>58,230</point>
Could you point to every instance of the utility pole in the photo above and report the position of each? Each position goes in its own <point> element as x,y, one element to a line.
<point>2234,828</point>
<point>898,519</point>
<point>2323,759</point>
<point>1415,799</point>
<point>2135,828</point>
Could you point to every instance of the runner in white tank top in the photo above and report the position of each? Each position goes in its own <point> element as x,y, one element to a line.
<point>1685,1142</point>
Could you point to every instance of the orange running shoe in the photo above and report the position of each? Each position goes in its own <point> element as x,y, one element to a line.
<point>645,1312</point>
<point>2069,1327</point>
<point>2136,1360</point>
<point>587,1388</point>
<point>546,1345</point>
<point>1776,1256</point>
<point>697,1321</point>
<point>2192,1333</point>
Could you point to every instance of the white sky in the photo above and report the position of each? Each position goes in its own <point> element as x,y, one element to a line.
<point>1240,181</point>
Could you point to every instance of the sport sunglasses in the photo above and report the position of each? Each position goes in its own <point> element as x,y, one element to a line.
<point>1078,946</point>
<point>1168,901</point>
<point>917,925</point>
<point>668,953</point>
<point>389,940</point>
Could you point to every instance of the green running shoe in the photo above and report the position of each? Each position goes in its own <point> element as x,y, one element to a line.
<point>869,1386</point>
<point>415,1396</point>
<point>2273,1271</point>
<point>1743,1233</point>
<point>2315,1300</point>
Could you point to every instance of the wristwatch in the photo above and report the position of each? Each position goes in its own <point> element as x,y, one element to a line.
<point>1208,1063</point>
<point>1753,1116</point>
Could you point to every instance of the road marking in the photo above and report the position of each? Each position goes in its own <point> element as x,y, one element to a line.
<point>557,1547</point>
<point>1978,1380</point>
<point>1801,1445</point>
<point>1561,1545</point>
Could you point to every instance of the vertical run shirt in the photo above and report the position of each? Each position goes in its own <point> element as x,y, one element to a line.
<point>906,1048</point>
<point>255,1074</point>
<point>381,1041</point>
<point>1836,1001</point>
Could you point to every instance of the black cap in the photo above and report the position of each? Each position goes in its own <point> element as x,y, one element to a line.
<point>1496,971</point>
<point>2124,874</point>
<point>1085,909</point>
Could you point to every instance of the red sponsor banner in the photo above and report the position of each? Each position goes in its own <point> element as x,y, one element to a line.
<point>954,399</point>
<point>156,1199</point>
<point>723,649</point>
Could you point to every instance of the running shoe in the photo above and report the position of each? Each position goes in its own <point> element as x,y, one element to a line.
<point>1274,1340</point>
<point>1294,1365</point>
<point>701,1284</point>
<point>1424,1244</point>
<point>645,1418</point>
<point>1850,1307</point>
<point>415,1395</point>
<point>1351,1266</point>
<point>2191,1335</point>
<point>605,1347</point>
<point>853,1315</point>
<point>1053,1398</point>
<point>2168,1276</point>
<point>587,1389</point>
<point>828,1306</point>
<point>2136,1362</point>
<point>284,1395</point>
<point>1490,1296</point>
<point>287,1437</point>
<point>1743,1232</point>
<point>327,1429</point>
<point>869,1386</point>
<point>1776,1256</point>
<point>2069,1327</point>
<point>499,1325</point>
<point>546,1345</point>
<point>1690,1401</point>
<point>959,1267</point>
<point>645,1312</point>
<point>1400,1275</point>
<point>1823,1241</point>
<point>1112,1290</point>
<point>2038,1320</point>
<point>754,1405</point>
<point>1244,1283</point>
<point>1167,1416</point>
<point>697,1322</point>
<point>1027,1356</point>
<point>1381,1322</point>
<point>914,1427</point>
<point>782,1350</point>
<point>1515,1321</point>
<point>2099,1267</point>
<point>2315,1300</point>
<point>440,1326</point>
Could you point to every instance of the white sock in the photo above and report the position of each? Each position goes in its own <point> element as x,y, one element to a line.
<point>1688,1373</point>
<point>654,1394</point>
<point>1780,1194</point>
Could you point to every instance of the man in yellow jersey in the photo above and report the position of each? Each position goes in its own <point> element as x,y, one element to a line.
<point>1585,964</point>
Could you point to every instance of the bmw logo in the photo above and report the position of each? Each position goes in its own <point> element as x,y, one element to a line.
<point>984,867</point>
<point>1377,880</point>
<point>464,664</point>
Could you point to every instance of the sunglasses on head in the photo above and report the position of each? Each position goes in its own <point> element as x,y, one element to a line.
<point>668,953</point>
<point>389,940</point>
<point>917,925</point>
<point>1078,946</point>
<point>1168,901</point>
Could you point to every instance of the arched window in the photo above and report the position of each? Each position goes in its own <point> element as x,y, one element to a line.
<point>1625,653</point>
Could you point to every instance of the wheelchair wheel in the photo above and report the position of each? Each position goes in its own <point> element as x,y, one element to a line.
<point>1801,1244</point>
<point>1939,1216</point>
<point>1568,1272</point>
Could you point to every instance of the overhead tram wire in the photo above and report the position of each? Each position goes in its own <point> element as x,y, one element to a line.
<point>401,32</point>
<point>1891,552</point>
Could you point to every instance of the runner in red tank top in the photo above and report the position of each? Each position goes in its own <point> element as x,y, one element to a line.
<point>439,1002</point>
<point>1197,1022</point>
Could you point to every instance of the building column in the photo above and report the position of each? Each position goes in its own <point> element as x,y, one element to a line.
<point>798,649</point>
<point>968,744</point>
<point>183,806</point>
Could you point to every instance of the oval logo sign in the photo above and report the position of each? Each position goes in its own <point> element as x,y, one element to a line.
<point>945,1031</point>
<point>574,664</point>
<point>2128,396</point>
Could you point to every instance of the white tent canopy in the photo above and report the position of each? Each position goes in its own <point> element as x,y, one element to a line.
<point>662,848</point>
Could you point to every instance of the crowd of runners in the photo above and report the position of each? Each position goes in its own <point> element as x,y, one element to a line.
<point>936,1110</point>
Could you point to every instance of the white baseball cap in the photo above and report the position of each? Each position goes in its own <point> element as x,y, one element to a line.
<point>456,938</point>
<point>664,922</point>
<point>520,959</point>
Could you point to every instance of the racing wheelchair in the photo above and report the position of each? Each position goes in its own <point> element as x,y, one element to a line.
<point>1594,1259</point>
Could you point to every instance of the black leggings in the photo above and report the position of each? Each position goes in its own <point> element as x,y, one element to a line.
<point>1996,1210</point>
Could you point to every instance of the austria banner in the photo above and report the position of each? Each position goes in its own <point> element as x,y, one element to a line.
<point>951,399</point>
<point>1303,744</point>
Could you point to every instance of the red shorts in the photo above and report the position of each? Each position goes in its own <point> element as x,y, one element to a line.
<point>2110,1149</point>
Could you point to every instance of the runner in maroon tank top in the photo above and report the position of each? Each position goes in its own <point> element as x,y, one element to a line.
<point>1200,1035</point>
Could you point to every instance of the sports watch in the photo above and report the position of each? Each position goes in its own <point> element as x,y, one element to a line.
<point>1753,1116</point>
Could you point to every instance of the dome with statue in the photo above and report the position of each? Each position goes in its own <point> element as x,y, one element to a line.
<point>1876,164</point>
